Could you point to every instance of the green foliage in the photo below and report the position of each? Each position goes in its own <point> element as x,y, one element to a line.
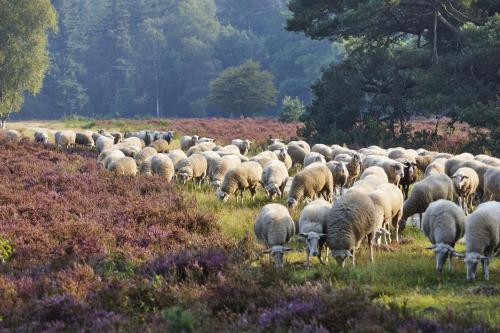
<point>24,59</point>
<point>5,250</point>
<point>291,109</point>
<point>180,321</point>
<point>244,90</point>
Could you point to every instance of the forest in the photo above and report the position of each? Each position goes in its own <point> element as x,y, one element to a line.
<point>129,58</point>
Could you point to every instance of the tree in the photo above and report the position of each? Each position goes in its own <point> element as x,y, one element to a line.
<point>291,109</point>
<point>244,90</point>
<point>24,59</point>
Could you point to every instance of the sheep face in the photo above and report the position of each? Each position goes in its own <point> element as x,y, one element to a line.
<point>442,251</point>
<point>216,184</point>
<point>222,196</point>
<point>272,190</point>
<point>312,242</point>
<point>277,253</point>
<point>291,203</point>
<point>399,170</point>
<point>461,182</point>
<point>340,256</point>
<point>183,176</point>
<point>283,153</point>
<point>471,260</point>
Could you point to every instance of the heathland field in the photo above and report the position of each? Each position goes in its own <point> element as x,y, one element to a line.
<point>83,249</point>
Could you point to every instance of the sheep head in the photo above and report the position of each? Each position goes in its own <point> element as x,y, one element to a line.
<point>277,254</point>
<point>340,256</point>
<point>312,241</point>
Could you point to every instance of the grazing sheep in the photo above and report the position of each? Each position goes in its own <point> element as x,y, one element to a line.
<point>323,150</point>
<point>388,202</point>
<point>108,156</point>
<point>13,135</point>
<point>103,143</point>
<point>312,227</point>
<point>41,137</point>
<point>444,225</point>
<point>235,160</point>
<point>312,158</point>
<point>65,138</point>
<point>274,178</point>
<point>375,171</point>
<point>309,183</point>
<point>493,161</point>
<point>84,139</point>
<point>144,154</point>
<point>482,238</point>
<point>284,157</point>
<point>393,169</point>
<point>243,145</point>
<point>426,191</point>
<point>161,135</point>
<point>354,168</point>
<point>436,166</point>
<point>423,162</point>
<point>188,141</point>
<point>336,150</point>
<point>145,167</point>
<point>452,165</point>
<point>217,170</point>
<point>406,154</point>
<point>367,184</point>
<point>194,150</point>
<point>124,166</point>
<point>466,182</point>
<point>195,167</point>
<point>409,176</point>
<point>128,148</point>
<point>176,156</point>
<point>346,158</point>
<point>223,153</point>
<point>276,144</point>
<point>340,174</point>
<point>304,145</point>
<point>233,149</point>
<point>162,165</point>
<point>351,219</point>
<point>274,227</point>
<point>133,141</point>
<point>245,176</point>
<point>492,184</point>
<point>297,153</point>
<point>160,145</point>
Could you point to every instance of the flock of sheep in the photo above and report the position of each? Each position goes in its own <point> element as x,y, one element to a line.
<point>350,196</point>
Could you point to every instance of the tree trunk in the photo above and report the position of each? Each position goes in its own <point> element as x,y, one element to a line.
<point>435,53</point>
<point>3,121</point>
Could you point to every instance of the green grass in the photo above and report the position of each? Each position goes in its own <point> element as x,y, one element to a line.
<point>403,275</point>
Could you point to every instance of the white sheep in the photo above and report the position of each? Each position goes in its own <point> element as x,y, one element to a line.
<point>217,170</point>
<point>65,138</point>
<point>245,176</point>
<point>482,238</point>
<point>160,145</point>
<point>284,157</point>
<point>388,202</point>
<point>162,166</point>
<point>108,156</point>
<point>103,143</point>
<point>309,183</point>
<point>188,141</point>
<point>84,139</point>
<point>124,166</point>
<point>274,178</point>
<point>393,169</point>
<point>340,174</point>
<point>436,166</point>
<point>41,137</point>
<point>243,145</point>
<point>492,184</point>
<point>144,154</point>
<point>312,227</point>
<point>194,167</point>
<point>176,156</point>
<point>274,227</point>
<point>466,182</point>
<point>375,171</point>
<point>351,219</point>
<point>444,225</point>
<point>313,157</point>
<point>323,150</point>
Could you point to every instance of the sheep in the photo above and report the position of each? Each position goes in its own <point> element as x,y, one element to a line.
<point>235,160</point>
<point>276,144</point>
<point>194,150</point>
<point>442,155</point>
<point>493,161</point>
<point>115,136</point>
<point>393,169</point>
<point>162,166</point>
<point>84,139</point>
<point>409,176</point>
<point>233,149</point>
<point>243,145</point>
<point>195,167</point>
<point>176,156</point>
<point>274,178</point>
<point>205,139</point>
<point>444,225</point>
<point>304,145</point>
<point>310,182</point>
<point>406,154</point>
<point>340,174</point>
<point>13,135</point>
<point>492,184</point>
<point>162,135</point>
<point>482,238</point>
<point>188,141</point>
<point>436,166</point>
<point>426,191</point>
<point>274,227</point>
<point>108,156</point>
<point>145,167</point>
<point>65,138</point>
<point>323,150</point>
<point>367,184</point>
<point>354,168</point>
<point>312,227</point>
<point>160,145</point>
<point>466,182</point>
<point>103,143</point>
<point>264,157</point>
<point>375,171</point>
<point>452,165</point>
<point>217,170</point>
<point>422,162</point>
<point>346,158</point>
<point>297,153</point>
<point>351,219</point>
<point>124,166</point>
<point>336,150</point>
<point>388,202</point>
<point>130,149</point>
<point>133,141</point>
<point>41,137</point>
<point>313,157</point>
<point>284,157</point>
<point>223,153</point>
<point>144,154</point>
<point>245,176</point>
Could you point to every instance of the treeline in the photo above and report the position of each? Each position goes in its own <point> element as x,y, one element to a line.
<point>128,58</point>
<point>404,58</point>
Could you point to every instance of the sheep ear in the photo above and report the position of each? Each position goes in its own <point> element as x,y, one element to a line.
<point>432,247</point>
<point>458,255</point>
<point>349,254</point>
<point>453,176</point>
<point>286,249</point>
<point>465,177</point>
<point>267,251</point>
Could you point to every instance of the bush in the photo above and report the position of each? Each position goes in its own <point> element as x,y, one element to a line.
<point>291,109</point>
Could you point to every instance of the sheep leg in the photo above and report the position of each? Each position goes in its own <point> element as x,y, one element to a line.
<point>420,220</point>
<point>370,244</point>
<point>353,258</point>
<point>450,265</point>
<point>486,269</point>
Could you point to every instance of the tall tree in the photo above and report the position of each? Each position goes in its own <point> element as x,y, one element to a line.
<point>24,59</point>
<point>244,90</point>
